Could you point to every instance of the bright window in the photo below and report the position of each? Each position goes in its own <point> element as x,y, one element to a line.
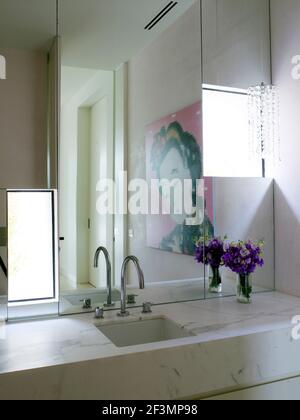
<point>226,134</point>
<point>32,256</point>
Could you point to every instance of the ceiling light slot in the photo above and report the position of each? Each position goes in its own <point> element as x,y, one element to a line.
<point>170,6</point>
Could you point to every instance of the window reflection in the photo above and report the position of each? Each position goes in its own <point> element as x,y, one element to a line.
<point>31,246</point>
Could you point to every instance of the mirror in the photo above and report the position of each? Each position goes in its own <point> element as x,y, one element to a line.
<point>119,83</point>
<point>243,210</point>
<point>3,257</point>
<point>28,47</point>
<point>131,111</point>
<point>236,55</point>
<point>28,109</point>
<point>236,43</point>
<point>32,214</point>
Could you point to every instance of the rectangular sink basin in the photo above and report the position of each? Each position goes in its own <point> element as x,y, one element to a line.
<point>133,333</point>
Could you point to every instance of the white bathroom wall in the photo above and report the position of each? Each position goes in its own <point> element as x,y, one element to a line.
<point>23,135</point>
<point>244,210</point>
<point>101,168</point>
<point>236,42</point>
<point>121,140</point>
<point>83,193</point>
<point>285,45</point>
<point>96,87</point>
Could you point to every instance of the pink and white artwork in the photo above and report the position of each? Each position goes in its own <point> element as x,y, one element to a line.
<point>174,151</point>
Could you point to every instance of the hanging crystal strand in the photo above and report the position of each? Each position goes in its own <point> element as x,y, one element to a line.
<point>276,106</point>
<point>259,122</point>
<point>255,121</point>
<point>252,123</point>
<point>264,139</point>
<point>273,124</point>
<point>265,122</point>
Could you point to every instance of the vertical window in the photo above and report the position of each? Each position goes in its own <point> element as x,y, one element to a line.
<point>226,134</point>
<point>32,250</point>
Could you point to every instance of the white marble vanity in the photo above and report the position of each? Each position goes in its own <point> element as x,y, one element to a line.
<point>235,346</point>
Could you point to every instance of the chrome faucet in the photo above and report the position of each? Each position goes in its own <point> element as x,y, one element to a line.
<point>136,263</point>
<point>109,302</point>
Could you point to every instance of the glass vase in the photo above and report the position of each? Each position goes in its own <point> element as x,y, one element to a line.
<point>215,280</point>
<point>244,288</point>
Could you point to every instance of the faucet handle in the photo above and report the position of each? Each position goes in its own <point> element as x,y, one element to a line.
<point>99,313</point>
<point>131,299</point>
<point>87,303</point>
<point>147,308</point>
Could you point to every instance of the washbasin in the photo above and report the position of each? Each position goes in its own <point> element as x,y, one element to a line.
<point>133,333</point>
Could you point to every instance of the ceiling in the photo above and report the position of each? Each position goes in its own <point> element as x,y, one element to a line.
<point>73,79</point>
<point>96,34</point>
<point>27,24</point>
<point>105,33</point>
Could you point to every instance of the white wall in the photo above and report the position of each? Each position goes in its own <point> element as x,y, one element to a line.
<point>83,193</point>
<point>97,87</point>
<point>244,210</point>
<point>23,136</point>
<point>101,232</point>
<point>285,45</point>
<point>236,42</point>
<point>121,140</point>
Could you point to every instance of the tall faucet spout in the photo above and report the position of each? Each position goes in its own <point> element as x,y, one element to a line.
<point>141,279</point>
<point>108,273</point>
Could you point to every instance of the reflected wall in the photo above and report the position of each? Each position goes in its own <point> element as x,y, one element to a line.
<point>236,42</point>
<point>165,80</point>
<point>3,256</point>
<point>244,210</point>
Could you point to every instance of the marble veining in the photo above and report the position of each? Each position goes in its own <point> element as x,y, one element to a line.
<point>234,345</point>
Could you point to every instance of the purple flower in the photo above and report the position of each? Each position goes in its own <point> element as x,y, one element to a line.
<point>210,252</point>
<point>243,257</point>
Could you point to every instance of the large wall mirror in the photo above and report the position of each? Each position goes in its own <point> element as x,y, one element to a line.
<point>132,111</point>
<point>236,55</point>
<point>3,256</point>
<point>28,114</point>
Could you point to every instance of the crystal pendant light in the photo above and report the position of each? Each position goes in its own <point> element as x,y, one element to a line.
<point>264,141</point>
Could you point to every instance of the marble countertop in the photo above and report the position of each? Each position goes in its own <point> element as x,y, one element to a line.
<point>74,344</point>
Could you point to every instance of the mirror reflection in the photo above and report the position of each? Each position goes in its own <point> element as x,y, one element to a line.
<point>236,43</point>
<point>123,97</point>
<point>243,210</point>
<point>28,111</point>
<point>132,113</point>
<point>3,256</point>
<point>28,48</point>
<point>31,214</point>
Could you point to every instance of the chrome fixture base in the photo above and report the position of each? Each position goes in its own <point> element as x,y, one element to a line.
<point>123,314</point>
<point>147,308</point>
<point>99,313</point>
<point>109,305</point>
<point>87,304</point>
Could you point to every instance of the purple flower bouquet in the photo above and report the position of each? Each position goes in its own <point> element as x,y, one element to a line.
<point>243,258</point>
<point>210,252</point>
